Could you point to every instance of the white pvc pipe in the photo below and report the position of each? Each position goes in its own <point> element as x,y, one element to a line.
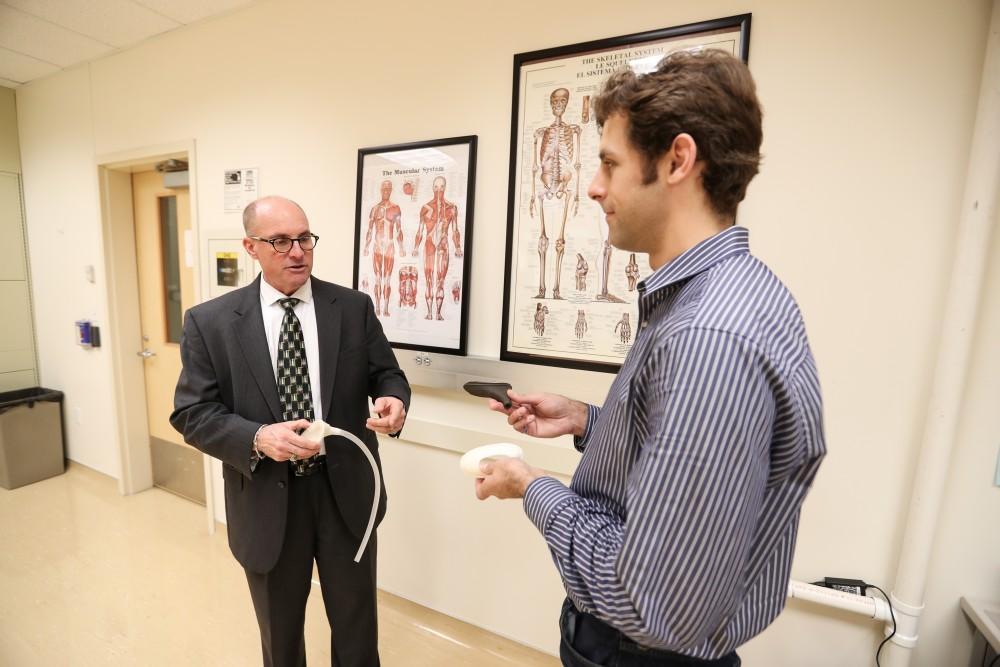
<point>977,218</point>
<point>871,607</point>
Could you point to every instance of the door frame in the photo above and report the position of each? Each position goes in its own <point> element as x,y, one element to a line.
<point>114,172</point>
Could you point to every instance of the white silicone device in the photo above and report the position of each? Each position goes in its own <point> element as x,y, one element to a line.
<point>318,430</point>
<point>471,459</point>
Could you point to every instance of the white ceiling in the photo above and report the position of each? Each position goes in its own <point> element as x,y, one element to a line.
<point>39,37</point>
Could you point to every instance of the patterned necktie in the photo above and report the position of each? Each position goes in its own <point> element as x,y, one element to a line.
<point>293,375</point>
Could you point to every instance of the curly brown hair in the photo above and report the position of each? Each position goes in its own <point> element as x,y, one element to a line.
<point>706,93</point>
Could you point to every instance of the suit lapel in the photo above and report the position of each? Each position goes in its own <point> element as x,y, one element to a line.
<point>328,332</point>
<point>249,331</point>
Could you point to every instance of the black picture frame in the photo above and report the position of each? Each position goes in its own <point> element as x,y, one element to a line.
<point>565,78</point>
<point>413,170</point>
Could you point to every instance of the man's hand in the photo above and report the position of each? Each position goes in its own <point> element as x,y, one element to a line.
<point>543,415</point>
<point>282,441</point>
<point>391,415</point>
<point>505,478</point>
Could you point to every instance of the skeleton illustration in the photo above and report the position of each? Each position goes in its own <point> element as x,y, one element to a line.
<point>604,295</point>
<point>581,272</point>
<point>437,218</point>
<point>384,222</point>
<point>626,328</point>
<point>581,324</point>
<point>555,150</point>
<point>456,291</point>
<point>408,286</point>
<point>632,272</point>
<point>540,312</point>
<point>585,110</point>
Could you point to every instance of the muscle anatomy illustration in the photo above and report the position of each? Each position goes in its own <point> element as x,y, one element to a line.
<point>408,286</point>
<point>438,223</point>
<point>556,154</point>
<point>384,226</point>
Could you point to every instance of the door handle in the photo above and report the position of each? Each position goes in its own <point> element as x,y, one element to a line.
<point>146,353</point>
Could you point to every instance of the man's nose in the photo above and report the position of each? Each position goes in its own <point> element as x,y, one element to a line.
<point>596,188</point>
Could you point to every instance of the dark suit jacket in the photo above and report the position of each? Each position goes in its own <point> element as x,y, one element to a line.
<point>227,390</point>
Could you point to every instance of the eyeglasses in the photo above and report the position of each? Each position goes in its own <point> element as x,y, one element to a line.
<point>283,245</point>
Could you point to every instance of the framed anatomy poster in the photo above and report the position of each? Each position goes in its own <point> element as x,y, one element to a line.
<point>570,298</point>
<point>413,238</point>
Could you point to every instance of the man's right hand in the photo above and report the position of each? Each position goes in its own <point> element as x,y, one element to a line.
<point>544,415</point>
<point>282,441</point>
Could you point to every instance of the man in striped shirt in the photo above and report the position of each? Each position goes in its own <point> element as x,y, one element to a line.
<point>675,537</point>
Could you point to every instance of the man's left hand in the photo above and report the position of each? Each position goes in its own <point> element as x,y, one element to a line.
<point>391,415</point>
<point>505,478</point>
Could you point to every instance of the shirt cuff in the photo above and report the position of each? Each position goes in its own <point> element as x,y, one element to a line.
<point>592,413</point>
<point>255,456</point>
<point>542,498</point>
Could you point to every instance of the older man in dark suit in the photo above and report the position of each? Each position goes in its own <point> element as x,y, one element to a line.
<point>260,364</point>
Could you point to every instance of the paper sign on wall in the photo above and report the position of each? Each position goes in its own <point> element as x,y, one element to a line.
<point>241,187</point>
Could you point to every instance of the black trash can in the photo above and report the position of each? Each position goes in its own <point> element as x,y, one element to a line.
<point>31,436</point>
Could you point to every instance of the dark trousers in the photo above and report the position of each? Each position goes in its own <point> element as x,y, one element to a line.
<point>315,530</point>
<point>589,642</point>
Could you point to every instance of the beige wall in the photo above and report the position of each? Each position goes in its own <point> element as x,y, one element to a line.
<point>64,237</point>
<point>966,555</point>
<point>10,153</point>
<point>17,348</point>
<point>868,115</point>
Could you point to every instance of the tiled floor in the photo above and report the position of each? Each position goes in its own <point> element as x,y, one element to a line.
<point>89,577</point>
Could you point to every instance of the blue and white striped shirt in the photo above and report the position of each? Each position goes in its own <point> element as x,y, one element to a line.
<point>679,525</point>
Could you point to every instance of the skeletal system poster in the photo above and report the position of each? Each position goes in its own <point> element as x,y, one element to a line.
<point>571,297</point>
<point>412,240</point>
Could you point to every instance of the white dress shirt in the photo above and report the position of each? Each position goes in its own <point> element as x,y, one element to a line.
<point>305,310</point>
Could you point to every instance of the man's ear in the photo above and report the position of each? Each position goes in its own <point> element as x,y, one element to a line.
<point>679,162</point>
<point>249,247</point>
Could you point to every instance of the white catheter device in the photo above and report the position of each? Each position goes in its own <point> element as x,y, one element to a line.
<point>471,459</point>
<point>318,430</point>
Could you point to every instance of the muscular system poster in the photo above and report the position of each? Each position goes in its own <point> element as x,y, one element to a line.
<point>571,298</point>
<point>413,232</point>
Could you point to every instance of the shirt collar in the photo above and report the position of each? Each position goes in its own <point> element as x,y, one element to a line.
<point>714,250</point>
<point>270,296</point>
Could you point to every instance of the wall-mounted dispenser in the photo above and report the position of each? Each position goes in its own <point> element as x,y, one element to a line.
<point>88,334</point>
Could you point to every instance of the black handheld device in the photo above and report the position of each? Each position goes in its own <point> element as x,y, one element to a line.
<point>494,390</point>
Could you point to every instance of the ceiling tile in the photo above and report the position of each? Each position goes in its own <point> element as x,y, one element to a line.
<point>189,11</point>
<point>40,39</point>
<point>116,22</point>
<point>22,68</point>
